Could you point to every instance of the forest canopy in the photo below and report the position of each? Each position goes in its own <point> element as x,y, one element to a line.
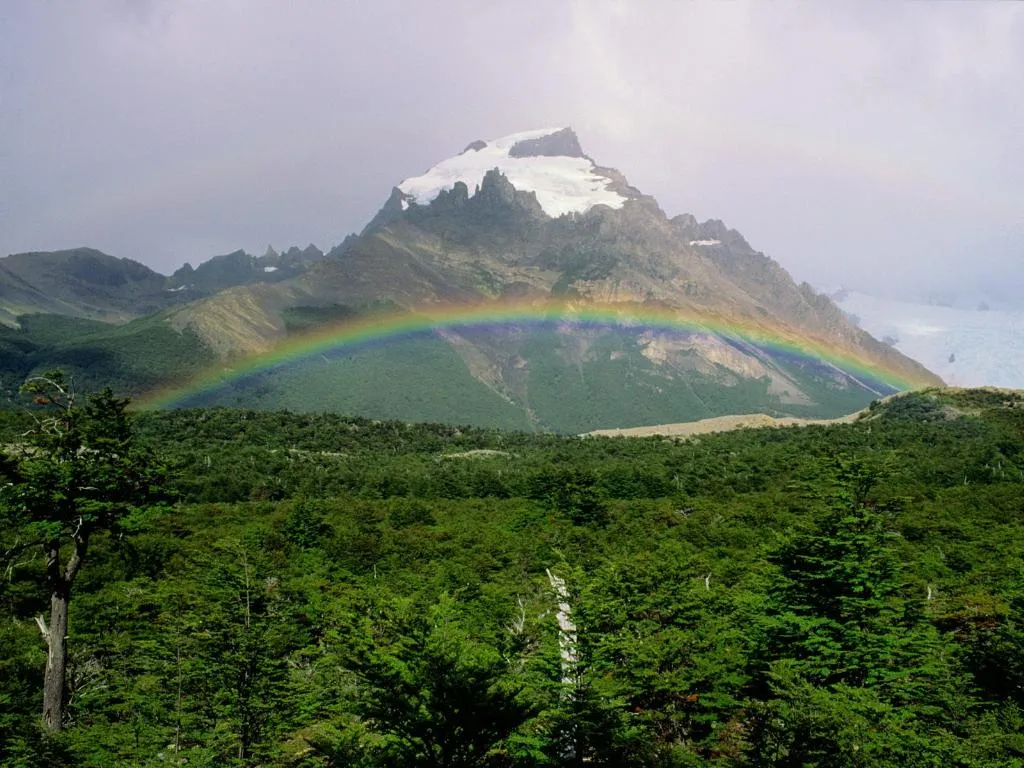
<point>332,591</point>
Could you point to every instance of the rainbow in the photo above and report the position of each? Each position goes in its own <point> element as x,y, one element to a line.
<point>386,328</point>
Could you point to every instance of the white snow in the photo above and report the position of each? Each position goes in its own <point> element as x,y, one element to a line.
<point>562,184</point>
<point>270,269</point>
<point>967,348</point>
<point>705,242</point>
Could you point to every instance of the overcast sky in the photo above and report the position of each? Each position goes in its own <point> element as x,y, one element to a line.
<point>861,144</point>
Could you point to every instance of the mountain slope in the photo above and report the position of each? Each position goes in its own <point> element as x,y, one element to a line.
<point>81,282</point>
<point>84,282</point>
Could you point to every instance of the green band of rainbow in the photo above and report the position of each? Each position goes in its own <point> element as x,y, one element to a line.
<point>383,328</point>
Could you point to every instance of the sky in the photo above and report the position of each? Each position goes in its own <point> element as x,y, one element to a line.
<point>878,146</point>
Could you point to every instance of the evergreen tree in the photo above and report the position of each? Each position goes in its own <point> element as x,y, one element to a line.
<point>80,474</point>
<point>854,667</point>
<point>836,599</point>
<point>439,697</point>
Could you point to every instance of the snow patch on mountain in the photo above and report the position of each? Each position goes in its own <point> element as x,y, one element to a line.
<point>562,184</point>
<point>967,348</point>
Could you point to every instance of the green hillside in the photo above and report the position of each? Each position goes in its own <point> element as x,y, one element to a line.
<point>335,591</point>
<point>79,282</point>
<point>609,383</point>
<point>132,358</point>
<point>422,378</point>
<point>414,379</point>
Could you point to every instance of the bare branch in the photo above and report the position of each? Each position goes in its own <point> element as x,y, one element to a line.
<point>518,624</point>
<point>10,555</point>
<point>68,394</point>
<point>77,557</point>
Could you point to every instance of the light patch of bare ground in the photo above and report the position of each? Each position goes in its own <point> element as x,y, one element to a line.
<point>718,424</point>
<point>476,453</point>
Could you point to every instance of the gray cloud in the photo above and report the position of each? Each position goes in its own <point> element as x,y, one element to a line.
<point>876,145</point>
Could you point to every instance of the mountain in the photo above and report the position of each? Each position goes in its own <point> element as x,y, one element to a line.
<point>80,282</point>
<point>241,268</point>
<point>967,347</point>
<point>530,219</point>
<point>611,313</point>
<point>104,319</point>
<point>84,282</point>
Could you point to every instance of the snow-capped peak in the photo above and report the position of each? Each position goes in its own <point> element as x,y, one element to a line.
<point>548,162</point>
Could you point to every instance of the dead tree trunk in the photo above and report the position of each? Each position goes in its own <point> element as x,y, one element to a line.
<point>56,634</point>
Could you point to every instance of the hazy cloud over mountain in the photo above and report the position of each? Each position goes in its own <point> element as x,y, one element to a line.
<point>868,144</point>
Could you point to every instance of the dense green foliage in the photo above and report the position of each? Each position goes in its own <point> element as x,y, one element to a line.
<point>77,475</point>
<point>133,358</point>
<point>337,591</point>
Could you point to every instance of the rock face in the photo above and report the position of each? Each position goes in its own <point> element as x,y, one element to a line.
<point>563,143</point>
<point>240,268</point>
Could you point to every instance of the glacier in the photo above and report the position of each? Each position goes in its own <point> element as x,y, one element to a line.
<point>966,348</point>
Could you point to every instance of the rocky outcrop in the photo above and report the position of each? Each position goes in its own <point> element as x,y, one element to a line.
<point>563,143</point>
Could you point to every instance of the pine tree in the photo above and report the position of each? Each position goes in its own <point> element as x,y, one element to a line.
<point>437,695</point>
